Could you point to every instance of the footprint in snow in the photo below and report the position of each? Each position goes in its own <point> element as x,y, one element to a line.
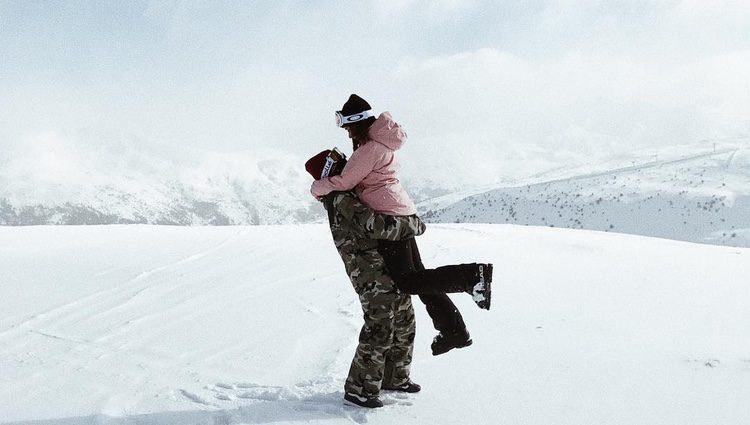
<point>195,398</point>
<point>251,391</point>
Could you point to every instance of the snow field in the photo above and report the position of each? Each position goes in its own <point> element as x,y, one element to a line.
<point>235,325</point>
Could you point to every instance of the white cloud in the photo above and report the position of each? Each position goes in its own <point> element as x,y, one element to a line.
<point>514,76</point>
<point>630,100</point>
<point>503,105</point>
<point>390,8</point>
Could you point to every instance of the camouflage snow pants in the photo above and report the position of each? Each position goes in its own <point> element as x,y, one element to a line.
<point>386,342</point>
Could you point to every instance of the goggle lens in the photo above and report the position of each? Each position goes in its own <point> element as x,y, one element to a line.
<point>351,119</point>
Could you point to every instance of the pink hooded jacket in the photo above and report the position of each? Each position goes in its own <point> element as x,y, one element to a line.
<point>372,170</point>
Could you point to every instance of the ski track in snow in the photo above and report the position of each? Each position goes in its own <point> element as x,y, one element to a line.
<point>112,298</point>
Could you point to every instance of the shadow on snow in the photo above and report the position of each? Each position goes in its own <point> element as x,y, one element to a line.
<point>321,406</point>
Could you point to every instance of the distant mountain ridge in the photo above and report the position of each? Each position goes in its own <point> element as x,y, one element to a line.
<point>134,182</point>
<point>698,193</point>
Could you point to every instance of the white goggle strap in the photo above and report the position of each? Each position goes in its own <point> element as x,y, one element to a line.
<point>341,120</point>
<point>327,168</point>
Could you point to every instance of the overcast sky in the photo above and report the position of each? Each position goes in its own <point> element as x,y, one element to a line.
<point>494,76</point>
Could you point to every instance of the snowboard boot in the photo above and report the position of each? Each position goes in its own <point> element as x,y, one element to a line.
<point>443,343</point>
<point>482,291</point>
<point>408,387</point>
<point>363,401</point>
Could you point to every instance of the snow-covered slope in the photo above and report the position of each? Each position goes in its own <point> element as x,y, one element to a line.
<point>701,196</point>
<point>245,325</point>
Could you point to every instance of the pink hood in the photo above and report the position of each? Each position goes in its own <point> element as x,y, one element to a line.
<point>373,170</point>
<point>387,132</point>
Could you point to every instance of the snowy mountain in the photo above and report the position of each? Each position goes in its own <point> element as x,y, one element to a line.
<point>694,193</point>
<point>60,182</point>
<point>82,180</point>
<point>85,179</point>
<point>166,325</point>
<point>689,193</point>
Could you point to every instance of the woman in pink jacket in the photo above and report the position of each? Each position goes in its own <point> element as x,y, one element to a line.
<point>372,171</point>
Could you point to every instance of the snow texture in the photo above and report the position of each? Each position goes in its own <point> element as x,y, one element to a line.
<point>245,325</point>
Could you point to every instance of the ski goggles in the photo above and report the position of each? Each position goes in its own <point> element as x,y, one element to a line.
<point>342,120</point>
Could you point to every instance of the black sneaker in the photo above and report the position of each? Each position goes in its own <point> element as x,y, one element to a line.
<point>408,387</point>
<point>363,401</point>
<point>482,291</point>
<point>443,343</point>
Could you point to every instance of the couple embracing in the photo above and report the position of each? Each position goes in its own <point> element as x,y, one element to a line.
<point>374,224</point>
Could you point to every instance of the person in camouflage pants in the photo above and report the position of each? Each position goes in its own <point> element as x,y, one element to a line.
<point>384,353</point>
<point>364,241</point>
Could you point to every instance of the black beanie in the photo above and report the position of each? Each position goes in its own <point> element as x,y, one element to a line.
<point>356,105</point>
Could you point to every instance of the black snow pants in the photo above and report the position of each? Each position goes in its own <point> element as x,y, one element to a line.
<point>406,269</point>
